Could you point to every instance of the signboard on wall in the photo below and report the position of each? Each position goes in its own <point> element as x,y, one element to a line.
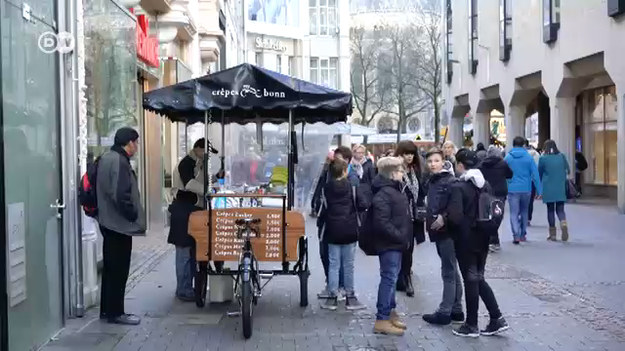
<point>147,46</point>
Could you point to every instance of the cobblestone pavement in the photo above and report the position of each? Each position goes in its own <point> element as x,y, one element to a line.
<point>147,252</point>
<point>556,296</point>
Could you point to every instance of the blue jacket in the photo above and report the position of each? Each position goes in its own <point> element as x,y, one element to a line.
<point>553,170</point>
<point>524,171</point>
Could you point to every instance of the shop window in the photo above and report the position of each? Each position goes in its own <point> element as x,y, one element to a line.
<point>616,7</point>
<point>323,17</point>
<point>551,20</point>
<point>599,143</point>
<point>279,63</point>
<point>259,59</point>
<point>324,71</point>
<point>505,30</point>
<point>448,44</point>
<point>473,44</point>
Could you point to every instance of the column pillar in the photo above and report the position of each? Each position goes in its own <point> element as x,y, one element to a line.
<point>481,133</point>
<point>620,145</point>
<point>456,133</point>
<point>563,127</point>
<point>515,124</point>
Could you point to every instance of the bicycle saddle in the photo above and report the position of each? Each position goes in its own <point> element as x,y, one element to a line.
<point>247,221</point>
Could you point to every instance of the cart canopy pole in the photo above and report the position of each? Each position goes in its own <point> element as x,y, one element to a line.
<point>223,142</point>
<point>291,165</point>
<point>206,171</point>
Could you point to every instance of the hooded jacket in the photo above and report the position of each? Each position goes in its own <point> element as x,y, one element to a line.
<point>496,172</point>
<point>390,216</point>
<point>462,212</point>
<point>438,195</point>
<point>341,222</point>
<point>524,171</point>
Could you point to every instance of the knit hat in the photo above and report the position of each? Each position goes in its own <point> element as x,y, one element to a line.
<point>125,135</point>
<point>494,151</point>
<point>388,165</point>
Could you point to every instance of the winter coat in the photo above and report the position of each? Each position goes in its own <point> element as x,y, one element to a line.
<point>524,172</point>
<point>188,180</point>
<point>462,213</point>
<point>439,192</point>
<point>553,170</point>
<point>119,202</point>
<point>390,216</point>
<point>341,222</point>
<point>318,202</point>
<point>368,172</point>
<point>496,172</point>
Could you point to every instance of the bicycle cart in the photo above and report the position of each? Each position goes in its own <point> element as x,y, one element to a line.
<point>249,94</point>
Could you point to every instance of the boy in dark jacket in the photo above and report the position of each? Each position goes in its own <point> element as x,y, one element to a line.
<point>439,192</point>
<point>341,234</point>
<point>472,246</point>
<point>392,225</point>
<point>496,172</point>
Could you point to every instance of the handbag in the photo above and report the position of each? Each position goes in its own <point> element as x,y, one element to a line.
<point>571,190</point>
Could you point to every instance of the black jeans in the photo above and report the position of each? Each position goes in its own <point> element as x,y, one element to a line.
<point>530,211</point>
<point>116,253</point>
<point>494,234</point>
<point>418,232</point>
<point>472,266</point>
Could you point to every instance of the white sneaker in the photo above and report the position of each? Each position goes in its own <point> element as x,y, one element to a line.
<point>342,294</point>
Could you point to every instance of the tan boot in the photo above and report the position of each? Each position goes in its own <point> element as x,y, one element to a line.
<point>552,234</point>
<point>565,230</point>
<point>397,321</point>
<point>386,327</point>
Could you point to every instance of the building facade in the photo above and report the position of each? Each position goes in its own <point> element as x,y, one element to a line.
<point>556,63</point>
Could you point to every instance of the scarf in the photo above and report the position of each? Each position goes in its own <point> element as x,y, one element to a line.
<point>357,166</point>
<point>411,181</point>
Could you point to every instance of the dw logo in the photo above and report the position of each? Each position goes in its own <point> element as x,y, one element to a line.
<point>50,42</point>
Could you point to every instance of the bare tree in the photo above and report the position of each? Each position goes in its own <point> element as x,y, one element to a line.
<point>429,69</point>
<point>404,56</point>
<point>369,100</point>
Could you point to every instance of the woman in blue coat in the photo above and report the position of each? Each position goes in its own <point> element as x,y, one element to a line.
<point>553,169</point>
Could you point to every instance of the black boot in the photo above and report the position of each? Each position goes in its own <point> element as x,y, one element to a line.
<point>401,283</point>
<point>409,287</point>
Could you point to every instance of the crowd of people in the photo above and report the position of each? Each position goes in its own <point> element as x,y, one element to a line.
<point>386,208</point>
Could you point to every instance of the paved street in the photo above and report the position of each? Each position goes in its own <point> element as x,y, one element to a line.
<point>556,296</point>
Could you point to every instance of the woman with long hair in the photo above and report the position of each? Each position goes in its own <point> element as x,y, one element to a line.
<point>449,151</point>
<point>414,190</point>
<point>553,169</point>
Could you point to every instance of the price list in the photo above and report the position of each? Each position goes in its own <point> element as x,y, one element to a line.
<point>227,247</point>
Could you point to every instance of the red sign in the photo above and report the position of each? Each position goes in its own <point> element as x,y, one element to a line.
<point>147,46</point>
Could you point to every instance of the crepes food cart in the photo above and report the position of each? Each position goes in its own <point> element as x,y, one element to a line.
<point>254,233</point>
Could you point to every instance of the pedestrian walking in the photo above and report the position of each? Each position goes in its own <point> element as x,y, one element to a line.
<point>553,169</point>
<point>535,155</point>
<point>496,172</point>
<point>525,172</point>
<point>471,245</point>
<point>344,202</point>
<point>480,150</point>
<point>581,164</point>
<point>438,196</point>
<point>120,216</point>
<point>414,189</point>
<point>391,222</point>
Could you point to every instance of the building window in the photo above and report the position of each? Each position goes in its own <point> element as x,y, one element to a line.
<point>551,20</point>
<point>599,136</point>
<point>323,17</point>
<point>448,46</point>
<point>473,36</point>
<point>324,71</point>
<point>505,30</point>
<point>279,63</point>
<point>291,72</point>
<point>259,59</point>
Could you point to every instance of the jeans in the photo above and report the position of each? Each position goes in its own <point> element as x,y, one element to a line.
<point>452,284</point>
<point>390,264</point>
<point>530,209</point>
<point>185,270</point>
<point>494,235</point>
<point>323,254</point>
<point>341,259</point>
<point>472,266</point>
<point>116,252</point>
<point>418,231</point>
<point>519,206</point>
<point>552,209</point>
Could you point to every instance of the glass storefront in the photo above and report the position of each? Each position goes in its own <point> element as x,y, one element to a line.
<point>600,136</point>
<point>31,177</point>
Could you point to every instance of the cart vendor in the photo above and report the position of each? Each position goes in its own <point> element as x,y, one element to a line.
<point>188,187</point>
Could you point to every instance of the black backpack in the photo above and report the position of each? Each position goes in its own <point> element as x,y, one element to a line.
<point>489,209</point>
<point>87,190</point>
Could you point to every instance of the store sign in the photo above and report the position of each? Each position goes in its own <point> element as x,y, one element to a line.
<point>147,46</point>
<point>270,44</point>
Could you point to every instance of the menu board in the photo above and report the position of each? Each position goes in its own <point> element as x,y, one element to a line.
<point>227,247</point>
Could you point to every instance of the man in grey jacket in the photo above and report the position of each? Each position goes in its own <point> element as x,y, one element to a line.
<point>121,216</point>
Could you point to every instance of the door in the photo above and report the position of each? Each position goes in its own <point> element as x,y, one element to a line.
<point>31,167</point>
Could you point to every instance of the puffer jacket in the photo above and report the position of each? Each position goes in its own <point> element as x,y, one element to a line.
<point>437,201</point>
<point>341,222</point>
<point>390,216</point>
<point>496,172</point>
<point>462,213</point>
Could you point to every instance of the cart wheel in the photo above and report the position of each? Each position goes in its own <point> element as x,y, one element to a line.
<point>247,307</point>
<point>303,288</point>
<point>201,280</point>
